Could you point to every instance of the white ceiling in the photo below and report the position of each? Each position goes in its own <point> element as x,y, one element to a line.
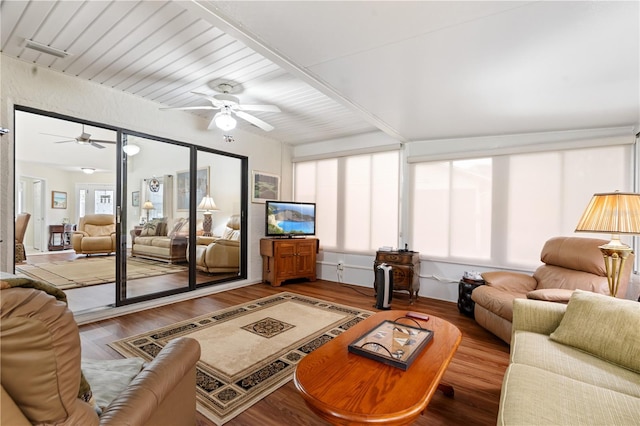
<point>417,70</point>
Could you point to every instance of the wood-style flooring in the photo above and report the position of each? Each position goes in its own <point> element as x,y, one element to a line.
<point>476,371</point>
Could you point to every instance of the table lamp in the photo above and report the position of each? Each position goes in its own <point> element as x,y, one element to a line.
<point>148,206</point>
<point>615,213</point>
<point>208,205</point>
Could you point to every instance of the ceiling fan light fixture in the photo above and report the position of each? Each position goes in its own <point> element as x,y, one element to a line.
<point>131,149</point>
<point>88,170</point>
<point>225,121</point>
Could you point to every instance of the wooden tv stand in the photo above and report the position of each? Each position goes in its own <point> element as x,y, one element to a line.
<point>288,258</point>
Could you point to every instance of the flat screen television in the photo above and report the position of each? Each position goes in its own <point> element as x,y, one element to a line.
<point>290,219</point>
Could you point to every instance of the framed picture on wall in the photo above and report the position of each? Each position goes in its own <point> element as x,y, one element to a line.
<point>58,200</point>
<point>135,198</point>
<point>182,187</point>
<point>265,186</point>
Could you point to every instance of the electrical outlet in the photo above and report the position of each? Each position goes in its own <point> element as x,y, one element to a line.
<point>340,266</point>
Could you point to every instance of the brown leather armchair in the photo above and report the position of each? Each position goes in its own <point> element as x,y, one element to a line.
<point>569,263</point>
<point>41,367</point>
<point>96,233</point>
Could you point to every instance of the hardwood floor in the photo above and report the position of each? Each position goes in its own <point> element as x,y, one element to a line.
<point>476,371</point>
<point>97,296</point>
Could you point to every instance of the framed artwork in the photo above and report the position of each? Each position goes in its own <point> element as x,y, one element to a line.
<point>182,187</point>
<point>58,200</point>
<point>265,187</point>
<point>135,198</point>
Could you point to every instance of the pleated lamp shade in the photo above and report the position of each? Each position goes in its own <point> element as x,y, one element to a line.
<point>614,213</point>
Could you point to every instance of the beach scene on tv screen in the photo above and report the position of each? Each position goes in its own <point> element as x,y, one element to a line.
<point>284,218</point>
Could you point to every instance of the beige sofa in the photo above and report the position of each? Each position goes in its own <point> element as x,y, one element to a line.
<point>96,233</point>
<point>164,240</point>
<point>570,263</point>
<point>220,254</point>
<point>41,365</point>
<point>575,364</point>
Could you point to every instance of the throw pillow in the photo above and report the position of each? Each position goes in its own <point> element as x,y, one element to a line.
<point>177,226</point>
<point>149,228</point>
<point>603,326</point>
<point>108,378</point>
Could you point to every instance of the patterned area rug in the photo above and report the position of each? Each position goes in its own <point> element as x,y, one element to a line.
<point>249,350</point>
<point>86,271</point>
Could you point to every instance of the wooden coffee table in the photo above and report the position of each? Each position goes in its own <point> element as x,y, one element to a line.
<point>347,388</point>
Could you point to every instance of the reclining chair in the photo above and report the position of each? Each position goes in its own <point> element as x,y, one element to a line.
<point>96,233</point>
<point>220,254</point>
<point>570,263</point>
<point>41,370</point>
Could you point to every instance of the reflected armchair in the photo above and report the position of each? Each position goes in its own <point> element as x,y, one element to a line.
<point>220,254</point>
<point>96,234</point>
<point>21,228</point>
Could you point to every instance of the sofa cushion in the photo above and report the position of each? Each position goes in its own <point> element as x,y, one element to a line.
<point>538,350</point>
<point>99,230</point>
<point>603,326</point>
<point>532,395</point>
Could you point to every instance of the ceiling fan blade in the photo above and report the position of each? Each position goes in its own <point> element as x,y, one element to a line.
<point>97,145</point>
<point>266,108</point>
<point>70,140</point>
<point>216,102</point>
<point>190,108</point>
<point>57,136</point>
<point>255,121</point>
<point>101,141</point>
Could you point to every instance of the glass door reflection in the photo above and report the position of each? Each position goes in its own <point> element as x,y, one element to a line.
<point>155,224</point>
<point>218,246</point>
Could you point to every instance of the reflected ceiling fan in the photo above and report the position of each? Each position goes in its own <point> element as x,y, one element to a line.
<point>228,106</point>
<point>83,139</point>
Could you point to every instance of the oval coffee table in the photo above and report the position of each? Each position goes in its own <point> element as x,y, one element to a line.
<point>347,388</point>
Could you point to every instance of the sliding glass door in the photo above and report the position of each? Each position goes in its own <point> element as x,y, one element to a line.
<point>182,220</point>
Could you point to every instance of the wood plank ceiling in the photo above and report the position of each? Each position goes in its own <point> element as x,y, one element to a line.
<point>416,70</point>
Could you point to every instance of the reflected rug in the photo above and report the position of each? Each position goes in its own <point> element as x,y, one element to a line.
<point>249,350</point>
<point>86,271</point>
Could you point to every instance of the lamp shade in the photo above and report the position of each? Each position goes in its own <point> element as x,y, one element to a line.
<point>224,120</point>
<point>148,205</point>
<point>207,204</point>
<point>613,212</point>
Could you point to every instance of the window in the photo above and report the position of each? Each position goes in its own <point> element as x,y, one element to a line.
<point>501,210</point>
<point>451,214</point>
<point>356,198</point>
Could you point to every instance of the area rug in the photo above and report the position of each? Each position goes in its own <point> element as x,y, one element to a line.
<point>249,350</point>
<point>86,271</point>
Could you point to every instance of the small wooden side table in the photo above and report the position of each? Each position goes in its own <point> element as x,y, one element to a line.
<point>405,266</point>
<point>60,236</point>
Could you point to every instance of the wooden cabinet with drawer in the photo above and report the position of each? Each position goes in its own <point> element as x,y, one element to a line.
<point>288,258</point>
<point>405,266</point>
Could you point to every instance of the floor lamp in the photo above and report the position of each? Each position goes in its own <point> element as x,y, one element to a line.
<point>614,213</point>
<point>208,205</point>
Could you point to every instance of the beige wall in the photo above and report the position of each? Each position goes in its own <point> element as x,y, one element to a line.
<point>23,84</point>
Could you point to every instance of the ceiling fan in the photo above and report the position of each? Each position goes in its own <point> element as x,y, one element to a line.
<point>228,106</point>
<point>83,139</point>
